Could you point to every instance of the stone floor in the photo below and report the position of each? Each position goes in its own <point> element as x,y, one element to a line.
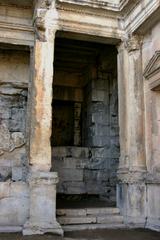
<point>138,234</point>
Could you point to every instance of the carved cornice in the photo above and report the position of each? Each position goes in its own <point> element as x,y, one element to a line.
<point>103,4</point>
<point>91,3</point>
<point>139,15</point>
<point>153,67</point>
<point>87,11</point>
<point>20,27</point>
<point>74,19</point>
<point>23,34</point>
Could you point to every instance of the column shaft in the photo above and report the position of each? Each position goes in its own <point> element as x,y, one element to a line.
<point>41,109</point>
<point>122,100</point>
<point>136,112</point>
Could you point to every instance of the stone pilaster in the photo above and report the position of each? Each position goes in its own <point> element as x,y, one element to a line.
<point>136,142</point>
<point>42,182</point>
<point>131,106</point>
<point>131,190</point>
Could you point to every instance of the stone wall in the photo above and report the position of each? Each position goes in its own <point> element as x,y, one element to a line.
<point>14,68</point>
<point>151,59</point>
<point>139,189</point>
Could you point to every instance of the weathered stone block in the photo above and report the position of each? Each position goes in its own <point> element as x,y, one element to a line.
<point>153,207</point>
<point>102,211</point>
<point>71,212</point>
<point>74,163</point>
<point>71,174</point>
<point>14,203</point>
<point>5,136</point>
<point>110,219</point>
<point>76,220</point>
<point>17,173</point>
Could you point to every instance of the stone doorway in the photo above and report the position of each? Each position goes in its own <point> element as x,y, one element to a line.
<point>85,135</point>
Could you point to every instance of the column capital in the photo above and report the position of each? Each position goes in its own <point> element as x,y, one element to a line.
<point>46,4</point>
<point>45,20</point>
<point>133,43</point>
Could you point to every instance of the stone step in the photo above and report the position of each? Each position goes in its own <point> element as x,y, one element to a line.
<point>88,211</point>
<point>109,219</point>
<point>98,211</point>
<point>90,218</point>
<point>66,220</point>
<point>79,227</point>
<point>76,220</point>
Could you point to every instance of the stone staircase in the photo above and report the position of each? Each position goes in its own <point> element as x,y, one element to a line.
<point>90,218</point>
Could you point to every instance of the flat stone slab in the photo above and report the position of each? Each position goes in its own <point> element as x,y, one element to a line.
<point>71,212</point>
<point>95,211</point>
<point>76,220</point>
<point>110,219</point>
<point>81,227</point>
<point>87,211</point>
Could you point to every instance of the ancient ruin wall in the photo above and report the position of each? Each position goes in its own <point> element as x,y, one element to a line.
<point>14,68</point>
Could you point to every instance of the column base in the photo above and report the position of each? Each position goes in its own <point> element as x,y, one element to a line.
<point>39,229</point>
<point>42,212</point>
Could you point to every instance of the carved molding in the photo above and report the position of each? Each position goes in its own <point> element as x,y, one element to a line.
<point>153,67</point>
<point>131,176</point>
<point>138,16</point>
<point>45,19</point>
<point>103,4</point>
<point>93,4</point>
<point>44,4</point>
<point>133,43</point>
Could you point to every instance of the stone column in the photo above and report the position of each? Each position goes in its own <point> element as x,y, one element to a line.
<point>123,110</point>
<point>42,182</point>
<point>41,110</point>
<point>135,106</point>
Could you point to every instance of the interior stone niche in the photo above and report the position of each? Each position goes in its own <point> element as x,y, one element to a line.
<point>85,135</point>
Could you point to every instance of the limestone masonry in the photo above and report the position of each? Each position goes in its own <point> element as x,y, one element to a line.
<point>79,115</point>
